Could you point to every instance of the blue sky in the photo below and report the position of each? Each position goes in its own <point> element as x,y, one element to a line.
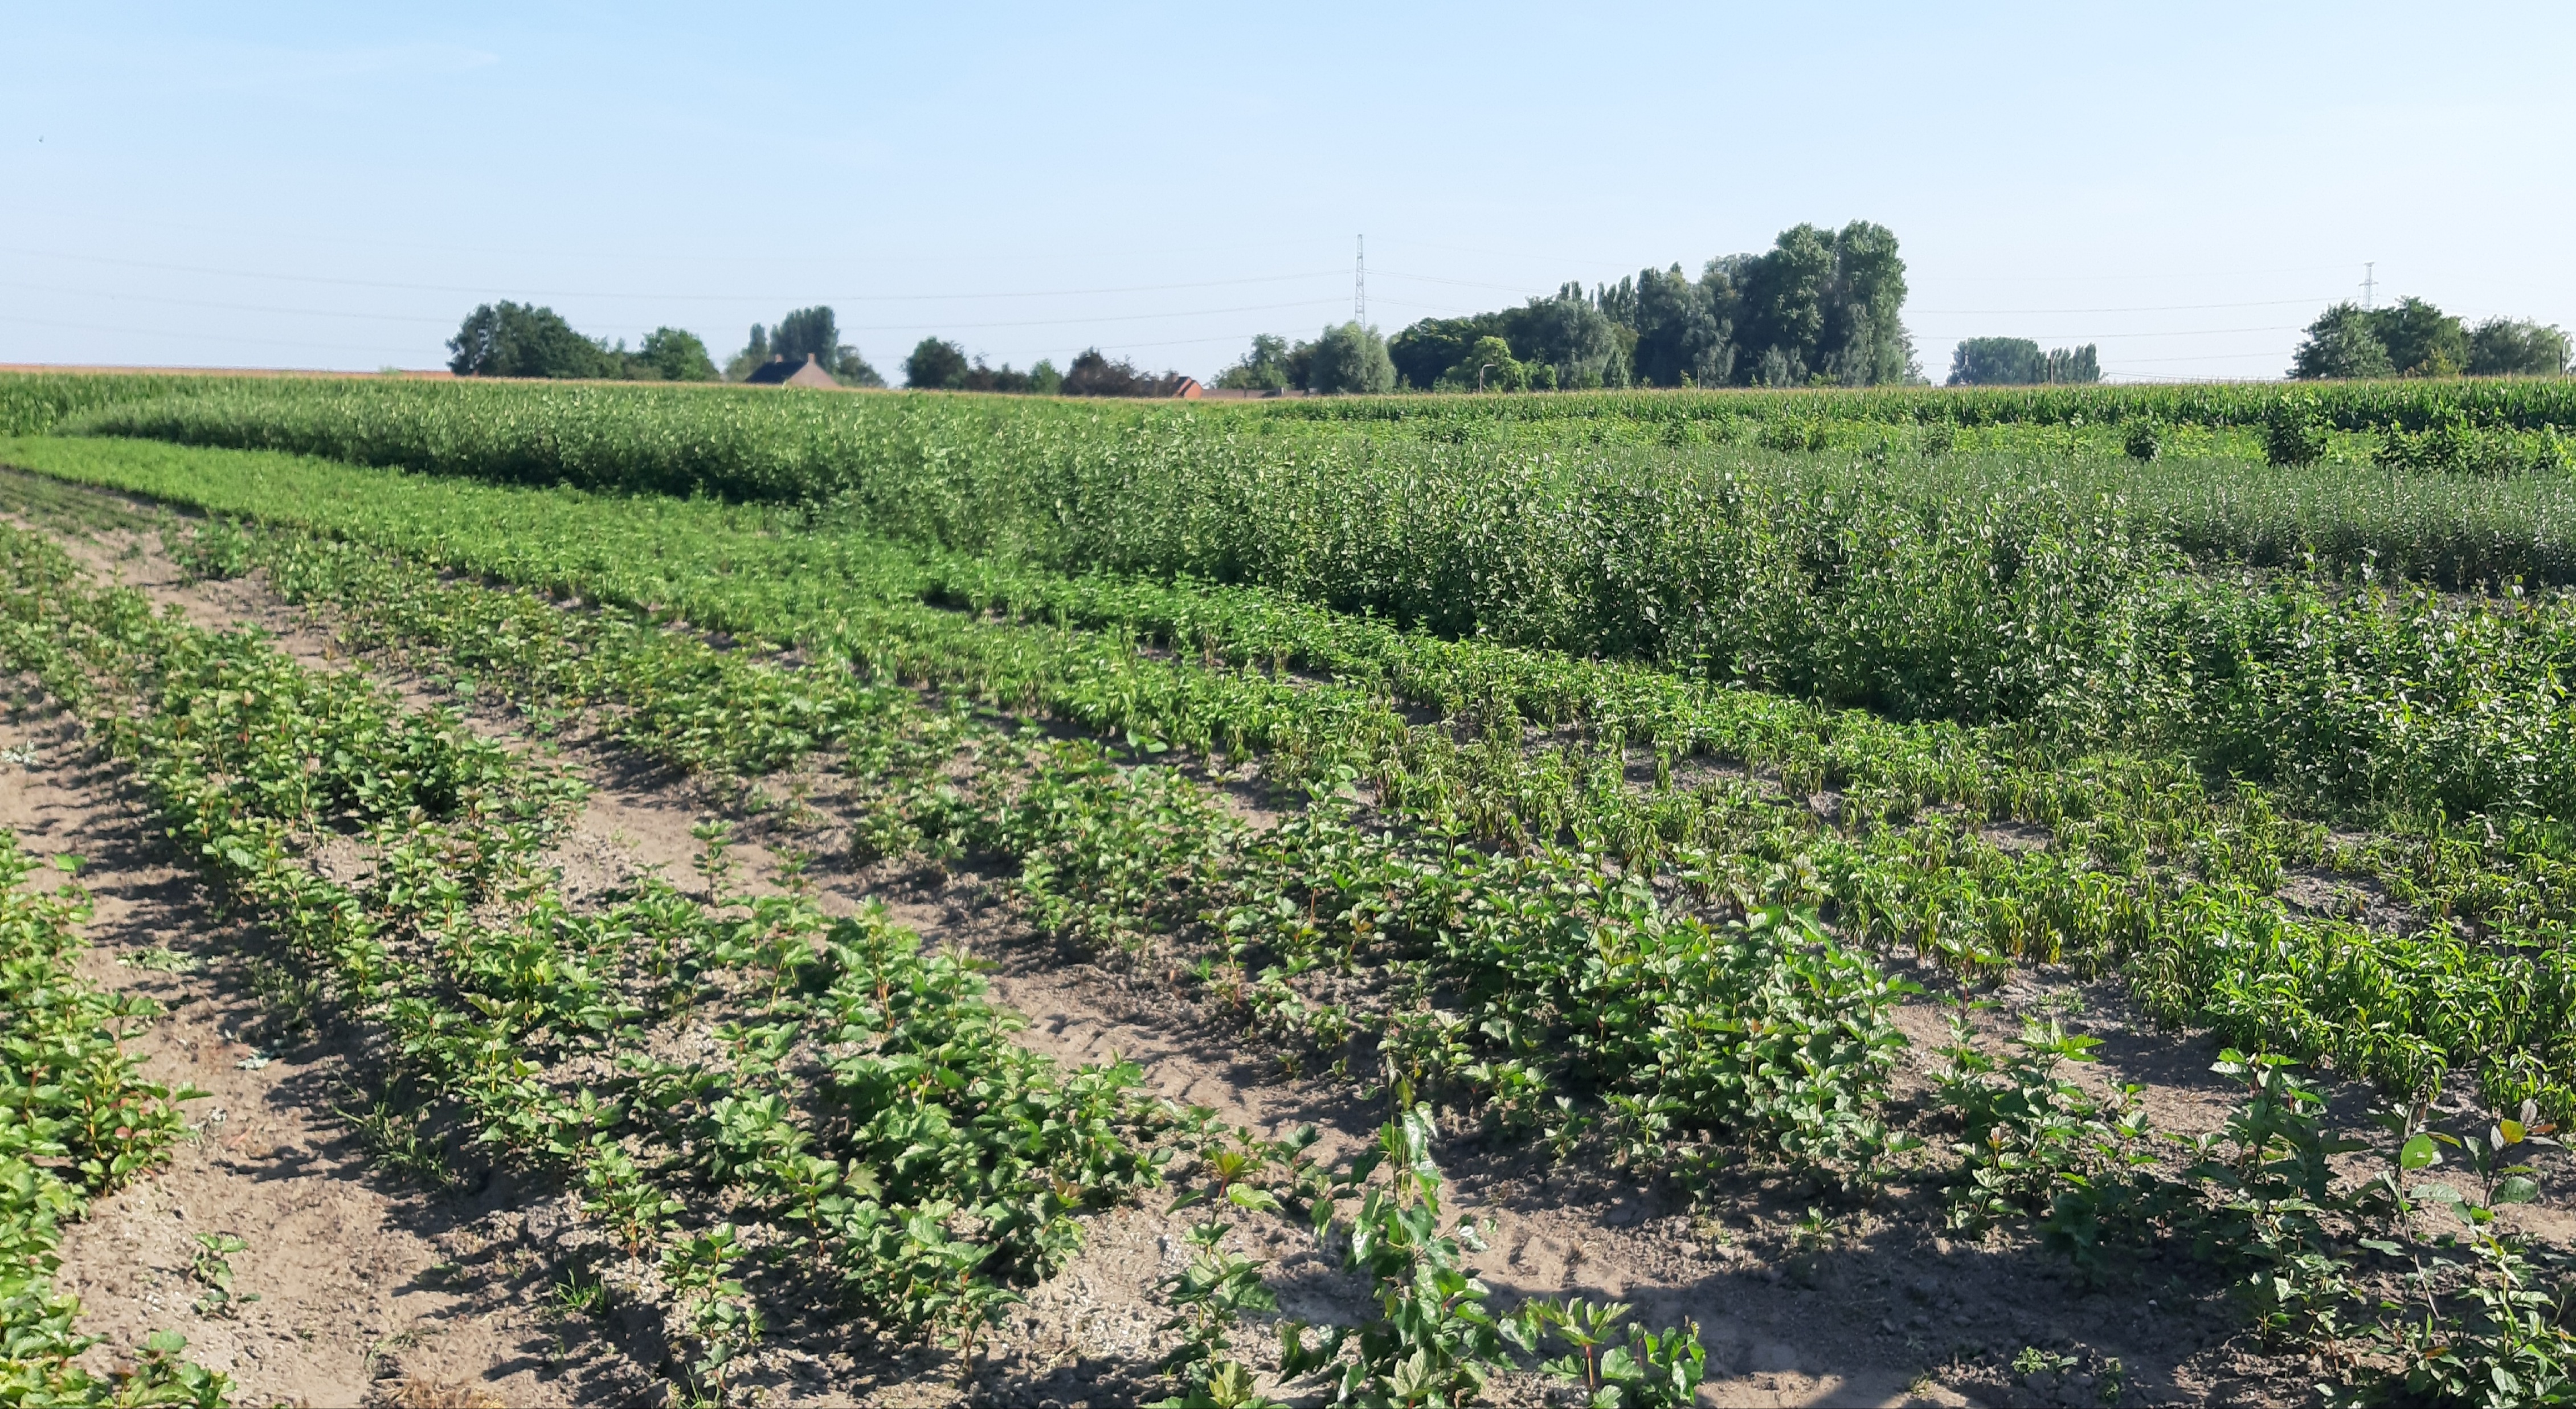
<point>334,186</point>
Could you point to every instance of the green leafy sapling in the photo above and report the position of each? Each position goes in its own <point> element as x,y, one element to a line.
<point>1617,1367</point>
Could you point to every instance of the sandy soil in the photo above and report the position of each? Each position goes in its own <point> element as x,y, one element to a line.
<point>369,1287</point>
<point>357,1292</point>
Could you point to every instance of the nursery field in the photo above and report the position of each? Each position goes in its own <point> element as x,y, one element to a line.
<point>2001,897</point>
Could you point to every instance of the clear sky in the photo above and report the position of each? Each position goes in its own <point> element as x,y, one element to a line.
<point>335,185</point>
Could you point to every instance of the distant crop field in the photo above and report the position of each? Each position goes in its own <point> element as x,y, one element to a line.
<point>1765,804</point>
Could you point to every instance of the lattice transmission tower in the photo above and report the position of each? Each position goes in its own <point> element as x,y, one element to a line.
<point>1359,286</point>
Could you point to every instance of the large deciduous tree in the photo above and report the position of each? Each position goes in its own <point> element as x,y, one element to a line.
<point>2517,347</point>
<point>520,340</point>
<point>1682,337</point>
<point>2340,345</point>
<point>1350,359</point>
<point>1264,368</point>
<point>936,365</point>
<point>675,355</point>
<point>1422,352</point>
<point>2422,340</point>
<point>1571,334</point>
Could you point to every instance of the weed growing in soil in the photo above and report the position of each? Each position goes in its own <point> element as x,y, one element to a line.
<point>210,1267</point>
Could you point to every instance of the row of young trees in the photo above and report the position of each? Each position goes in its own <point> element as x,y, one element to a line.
<point>2019,362</point>
<point>1818,308</point>
<point>2412,338</point>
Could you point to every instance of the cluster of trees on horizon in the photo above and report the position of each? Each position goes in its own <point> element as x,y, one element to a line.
<point>1819,308</point>
<point>524,340</point>
<point>2412,338</point>
<point>2019,362</point>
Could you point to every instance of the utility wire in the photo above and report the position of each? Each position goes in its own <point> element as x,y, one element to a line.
<point>1106,318</point>
<point>232,307</point>
<point>2175,333</point>
<point>486,289</point>
<point>2138,308</point>
<point>214,337</point>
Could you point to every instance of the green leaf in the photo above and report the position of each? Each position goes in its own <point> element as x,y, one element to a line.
<point>1258,1200</point>
<point>2418,1153</point>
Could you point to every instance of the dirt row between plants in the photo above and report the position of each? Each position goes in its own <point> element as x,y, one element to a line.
<point>1862,1305</point>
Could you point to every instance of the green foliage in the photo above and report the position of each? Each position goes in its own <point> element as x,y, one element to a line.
<point>2295,434</point>
<point>2019,362</point>
<point>1616,1368</point>
<point>1570,341</point>
<point>1490,366</point>
<point>2512,347</point>
<point>1350,359</point>
<point>2035,1144</point>
<point>816,332</point>
<point>75,1122</point>
<point>2454,446</point>
<point>2268,1201</point>
<point>675,355</point>
<point>953,1162</point>
<point>1820,306</point>
<point>935,365</point>
<point>1542,938</point>
<point>2413,338</point>
<point>1434,1339</point>
<point>1124,860</point>
<point>1264,368</point>
<point>210,1267</point>
<point>520,340</point>
<point>2341,345</point>
<point>2422,340</point>
<point>1424,351</point>
<point>1094,373</point>
<point>1684,332</point>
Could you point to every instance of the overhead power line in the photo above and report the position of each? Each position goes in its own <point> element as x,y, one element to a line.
<point>486,290</point>
<point>2204,357</point>
<point>229,307</point>
<point>1105,318</point>
<point>2136,308</point>
<point>2173,333</point>
<point>208,337</point>
<point>847,327</point>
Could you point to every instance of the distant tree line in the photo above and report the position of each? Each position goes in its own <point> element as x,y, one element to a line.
<point>2019,362</point>
<point>525,340</point>
<point>522,340</point>
<point>937,365</point>
<point>2412,338</point>
<point>1347,358</point>
<point>1817,308</point>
